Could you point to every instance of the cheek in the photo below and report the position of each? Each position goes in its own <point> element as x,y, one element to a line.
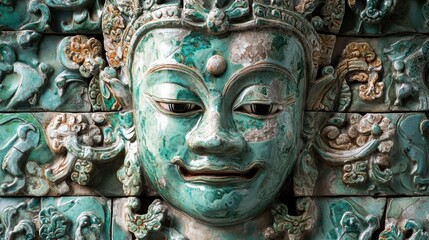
<point>268,131</point>
<point>162,135</point>
<point>281,128</point>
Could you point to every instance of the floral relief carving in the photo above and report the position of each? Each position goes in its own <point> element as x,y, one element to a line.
<point>54,225</point>
<point>292,226</point>
<point>113,27</point>
<point>82,172</point>
<point>216,19</point>
<point>86,53</point>
<point>80,141</point>
<point>355,172</point>
<point>65,131</point>
<point>330,16</point>
<point>142,225</point>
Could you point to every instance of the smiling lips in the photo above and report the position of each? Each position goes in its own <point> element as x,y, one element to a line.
<point>220,175</point>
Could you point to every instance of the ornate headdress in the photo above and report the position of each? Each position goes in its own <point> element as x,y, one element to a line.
<point>125,21</point>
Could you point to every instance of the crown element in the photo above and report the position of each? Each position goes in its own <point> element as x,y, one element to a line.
<point>125,21</point>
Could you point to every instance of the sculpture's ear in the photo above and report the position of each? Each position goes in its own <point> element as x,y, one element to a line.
<point>114,94</point>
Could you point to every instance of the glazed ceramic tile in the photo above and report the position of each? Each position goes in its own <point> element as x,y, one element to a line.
<point>64,153</point>
<point>363,154</point>
<point>19,218</point>
<point>406,218</point>
<point>380,17</point>
<point>53,73</point>
<point>347,218</point>
<point>82,16</point>
<point>374,75</point>
<point>75,218</point>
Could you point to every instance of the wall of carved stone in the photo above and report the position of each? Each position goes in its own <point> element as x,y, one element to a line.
<point>67,140</point>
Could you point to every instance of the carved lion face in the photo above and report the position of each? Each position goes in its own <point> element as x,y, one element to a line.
<point>218,119</point>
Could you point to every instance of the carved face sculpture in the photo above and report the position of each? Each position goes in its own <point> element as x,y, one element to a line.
<point>218,119</point>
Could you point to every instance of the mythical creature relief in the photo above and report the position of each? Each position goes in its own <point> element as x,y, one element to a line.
<point>374,75</point>
<point>51,15</point>
<point>25,66</point>
<point>31,79</point>
<point>408,80</point>
<point>371,12</point>
<point>348,218</point>
<point>406,219</point>
<point>379,17</point>
<point>16,218</point>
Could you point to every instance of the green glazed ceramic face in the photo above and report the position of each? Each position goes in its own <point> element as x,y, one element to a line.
<point>218,148</point>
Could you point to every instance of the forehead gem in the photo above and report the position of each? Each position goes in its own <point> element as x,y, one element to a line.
<point>216,65</point>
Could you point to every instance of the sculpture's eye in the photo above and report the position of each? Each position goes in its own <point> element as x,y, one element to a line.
<point>259,109</point>
<point>179,108</point>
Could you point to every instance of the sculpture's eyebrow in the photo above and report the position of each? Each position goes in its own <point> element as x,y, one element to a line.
<point>261,66</point>
<point>178,68</point>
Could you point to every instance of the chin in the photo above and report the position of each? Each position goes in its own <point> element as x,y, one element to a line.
<point>219,205</point>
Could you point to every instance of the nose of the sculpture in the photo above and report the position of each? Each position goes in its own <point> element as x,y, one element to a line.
<point>215,136</point>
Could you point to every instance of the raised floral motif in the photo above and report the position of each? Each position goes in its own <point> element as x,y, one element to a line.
<point>113,28</point>
<point>141,225</point>
<point>53,224</point>
<point>86,53</point>
<point>293,226</point>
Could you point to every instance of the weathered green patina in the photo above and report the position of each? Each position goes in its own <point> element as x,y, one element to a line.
<point>228,142</point>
